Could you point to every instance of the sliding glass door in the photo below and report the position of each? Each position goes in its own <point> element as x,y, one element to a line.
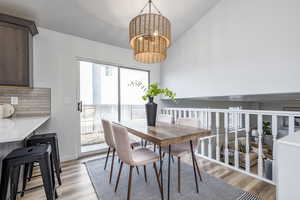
<point>105,92</point>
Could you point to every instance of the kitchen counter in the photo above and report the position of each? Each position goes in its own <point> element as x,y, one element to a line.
<point>288,165</point>
<point>17,129</point>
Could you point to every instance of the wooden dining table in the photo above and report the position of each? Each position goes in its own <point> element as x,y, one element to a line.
<point>165,134</point>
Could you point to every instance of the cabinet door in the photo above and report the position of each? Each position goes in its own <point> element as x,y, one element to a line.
<point>14,64</point>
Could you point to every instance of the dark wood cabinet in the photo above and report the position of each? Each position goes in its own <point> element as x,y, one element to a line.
<point>16,51</point>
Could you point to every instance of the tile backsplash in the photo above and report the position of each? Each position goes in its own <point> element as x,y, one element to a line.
<point>30,101</point>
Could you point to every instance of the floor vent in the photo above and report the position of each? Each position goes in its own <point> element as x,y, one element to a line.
<point>248,196</point>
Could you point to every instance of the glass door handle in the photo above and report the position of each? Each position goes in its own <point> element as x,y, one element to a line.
<point>79,106</point>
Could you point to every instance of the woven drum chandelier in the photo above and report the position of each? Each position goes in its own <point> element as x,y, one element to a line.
<point>150,35</point>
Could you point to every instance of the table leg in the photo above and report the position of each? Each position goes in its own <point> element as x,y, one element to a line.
<point>169,171</point>
<point>161,174</point>
<point>193,158</point>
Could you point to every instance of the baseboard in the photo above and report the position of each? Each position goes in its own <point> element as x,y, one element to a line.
<point>64,158</point>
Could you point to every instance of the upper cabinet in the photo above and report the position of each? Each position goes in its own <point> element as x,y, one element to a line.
<point>16,51</point>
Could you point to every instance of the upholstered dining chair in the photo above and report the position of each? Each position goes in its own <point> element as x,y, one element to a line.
<point>165,118</point>
<point>133,157</point>
<point>109,139</point>
<point>179,150</point>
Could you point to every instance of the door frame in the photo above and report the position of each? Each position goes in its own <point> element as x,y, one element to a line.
<point>119,67</point>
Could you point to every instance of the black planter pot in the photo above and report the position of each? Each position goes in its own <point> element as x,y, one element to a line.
<point>151,110</point>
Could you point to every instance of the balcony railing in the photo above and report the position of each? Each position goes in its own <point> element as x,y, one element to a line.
<point>233,144</point>
<point>91,115</point>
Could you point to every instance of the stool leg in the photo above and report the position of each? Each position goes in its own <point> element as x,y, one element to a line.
<point>56,161</point>
<point>30,171</point>
<point>57,155</point>
<point>25,176</point>
<point>6,172</point>
<point>52,172</point>
<point>45,166</point>
<point>14,182</point>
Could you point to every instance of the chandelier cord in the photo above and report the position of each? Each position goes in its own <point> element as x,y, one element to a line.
<point>149,3</point>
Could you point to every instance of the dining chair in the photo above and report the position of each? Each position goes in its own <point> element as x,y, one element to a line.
<point>133,157</point>
<point>179,150</point>
<point>165,118</point>
<point>109,139</point>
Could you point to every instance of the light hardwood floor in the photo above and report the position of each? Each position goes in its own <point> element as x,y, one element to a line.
<point>77,185</point>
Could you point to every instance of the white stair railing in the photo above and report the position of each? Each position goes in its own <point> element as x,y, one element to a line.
<point>228,128</point>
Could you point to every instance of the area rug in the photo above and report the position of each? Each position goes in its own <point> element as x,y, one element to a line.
<point>210,188</point>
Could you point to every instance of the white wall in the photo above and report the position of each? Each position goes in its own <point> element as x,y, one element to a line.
<point>56,67</point>
<point>238,47</point>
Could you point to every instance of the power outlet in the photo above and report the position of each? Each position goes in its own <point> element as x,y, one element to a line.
<point>14,100</point>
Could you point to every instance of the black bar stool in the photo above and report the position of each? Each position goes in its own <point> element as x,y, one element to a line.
<point>49,138</point>
<point>24,156</point>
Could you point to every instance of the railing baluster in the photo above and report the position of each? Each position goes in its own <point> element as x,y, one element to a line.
<point>291,125</point>
<point>247,155</point>
<point>218,136</point>
<point>209,148</point>
<point>260,132</point>
<point>274,133</point>
<point>209,124</point>
<point>203,147</point>
<point>236,142</point>
<point>226,138</point>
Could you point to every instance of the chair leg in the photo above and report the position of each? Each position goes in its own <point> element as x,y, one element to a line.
<point>137,168</point>
<point>193,158</point>
<point>154,147</point>
<point>157,178</point>
<point>145,173</point>
<point>112,165</point>
<point>119,174</point>
<point>107,155</point>
<point>129,183</point>
<point>179,184</point>
<point>25,175</point>
<point>198,170</point>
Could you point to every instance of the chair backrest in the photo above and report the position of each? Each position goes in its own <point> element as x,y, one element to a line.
<point>189,122</point>
<point>123,147</point>
<point>165,118</point>
<point>108,133</point>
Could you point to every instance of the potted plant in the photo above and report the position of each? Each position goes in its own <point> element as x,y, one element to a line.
<point>267,131</point>
<point>150,93</point>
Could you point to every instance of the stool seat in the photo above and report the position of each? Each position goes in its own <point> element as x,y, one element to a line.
<point>30,152</point>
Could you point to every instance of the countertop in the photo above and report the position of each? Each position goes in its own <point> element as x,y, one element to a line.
<point>17,129</point>
<point>293,140</point>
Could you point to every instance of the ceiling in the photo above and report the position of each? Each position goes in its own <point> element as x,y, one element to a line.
<point>104,20</point>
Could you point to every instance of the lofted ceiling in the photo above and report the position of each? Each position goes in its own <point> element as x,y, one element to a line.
<point>104,20</point>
